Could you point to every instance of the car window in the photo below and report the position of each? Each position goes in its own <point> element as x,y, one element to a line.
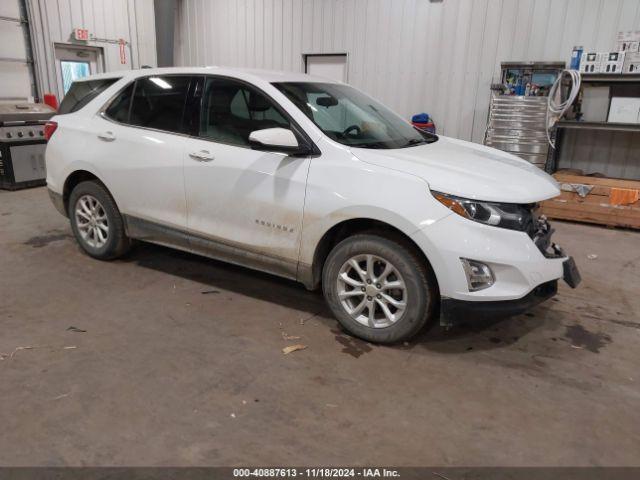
<point>118,110</point>
<point>336,117</point>
<point>232,110</point>
<point>158,102</point>
<point>350,117</point>
<point>82,93</point>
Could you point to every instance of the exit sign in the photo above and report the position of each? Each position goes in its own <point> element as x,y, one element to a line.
<point>81,34</point>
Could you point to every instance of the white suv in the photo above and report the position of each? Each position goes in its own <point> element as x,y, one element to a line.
<point>310,180</point>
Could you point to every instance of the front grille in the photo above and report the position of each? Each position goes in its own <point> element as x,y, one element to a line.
<point>531,225</point>
<point>542,238</point>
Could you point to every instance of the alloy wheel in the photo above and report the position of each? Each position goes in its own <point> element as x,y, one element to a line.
<point>92,222</point>
<point>372,291</point>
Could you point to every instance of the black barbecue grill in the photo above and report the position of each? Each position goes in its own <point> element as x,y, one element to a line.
<point>22,144</point>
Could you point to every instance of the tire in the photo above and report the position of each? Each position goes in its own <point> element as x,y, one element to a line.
<point>399,323</point>
<point>94,202</point>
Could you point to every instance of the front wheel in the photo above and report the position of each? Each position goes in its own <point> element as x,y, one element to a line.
<point>378,288</point>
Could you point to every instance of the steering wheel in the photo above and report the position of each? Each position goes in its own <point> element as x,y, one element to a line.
<point>352,127</point>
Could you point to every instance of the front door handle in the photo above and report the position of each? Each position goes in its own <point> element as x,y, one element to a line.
<point>107,136</point>
<point>202,156</point>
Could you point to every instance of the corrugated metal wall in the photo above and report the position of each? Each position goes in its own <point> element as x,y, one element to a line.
<point>614,154</point>
<point>414,55</point>
<point>53,21</point>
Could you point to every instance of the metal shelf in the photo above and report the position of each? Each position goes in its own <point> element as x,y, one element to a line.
<point>611,78</point>
<point>15,60</point>
<point>12,19</point>
<point>609,126</point>
<point>516,124</point>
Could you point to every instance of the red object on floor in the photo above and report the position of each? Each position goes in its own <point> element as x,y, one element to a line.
<point>51,100</point>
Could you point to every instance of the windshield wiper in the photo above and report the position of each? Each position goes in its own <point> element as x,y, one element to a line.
<point>415,141</point>
<point>369,145</point>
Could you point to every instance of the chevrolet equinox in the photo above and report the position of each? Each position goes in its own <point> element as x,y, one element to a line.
<point>308,179</point>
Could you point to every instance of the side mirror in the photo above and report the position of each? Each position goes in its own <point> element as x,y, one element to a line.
<point>276,140</point>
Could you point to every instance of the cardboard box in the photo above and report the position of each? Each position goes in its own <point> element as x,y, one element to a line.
<point>631,62</point>
<point>595,103</point>
<point>624,110</point>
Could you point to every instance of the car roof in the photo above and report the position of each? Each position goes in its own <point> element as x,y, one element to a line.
<point>248,74</point>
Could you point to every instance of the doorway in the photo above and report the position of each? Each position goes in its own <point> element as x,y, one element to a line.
<point>328,65</point>
<point>74,62</point>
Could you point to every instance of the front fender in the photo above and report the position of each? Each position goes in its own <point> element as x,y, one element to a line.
<point>341,187</point>
<point>315,232</point>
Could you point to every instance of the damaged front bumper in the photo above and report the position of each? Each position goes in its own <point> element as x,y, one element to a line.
<point>526,268</point>
<point>542,240</point>
<point>454,311</point>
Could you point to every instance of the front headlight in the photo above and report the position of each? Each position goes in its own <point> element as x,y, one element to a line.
<point>506,215</point>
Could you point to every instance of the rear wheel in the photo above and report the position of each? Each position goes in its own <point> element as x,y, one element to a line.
<point>96,221</point>
<point>378,288</point>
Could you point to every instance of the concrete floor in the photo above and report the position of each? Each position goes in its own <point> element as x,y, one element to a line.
<point>179,362</point>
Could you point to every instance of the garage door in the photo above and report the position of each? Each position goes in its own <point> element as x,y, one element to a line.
<point>14,69</point>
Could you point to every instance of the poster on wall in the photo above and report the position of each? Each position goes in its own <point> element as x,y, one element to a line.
<point>123,51</point>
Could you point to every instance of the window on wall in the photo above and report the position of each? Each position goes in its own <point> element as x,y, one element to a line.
<point>158,102</point>
<point>72,71</point>
<point>232,110</point>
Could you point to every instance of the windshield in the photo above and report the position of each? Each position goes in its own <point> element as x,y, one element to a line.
<point>350,117</point>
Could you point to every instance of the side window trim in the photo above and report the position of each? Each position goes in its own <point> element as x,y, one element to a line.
<point>192,100</point>
<point>103,110</point>
<point>297,130</point>
<point>96,87</point>
<point>134,82</point>
<point>193,106</point>
<point>185,104</point>
<point>245,89</point>
<point>133,94</point>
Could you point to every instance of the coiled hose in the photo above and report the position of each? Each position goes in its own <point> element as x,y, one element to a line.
<point>556,108</point>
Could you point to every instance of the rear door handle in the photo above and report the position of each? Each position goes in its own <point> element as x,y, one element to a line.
<point>202,156</point>
<point>107,136</point>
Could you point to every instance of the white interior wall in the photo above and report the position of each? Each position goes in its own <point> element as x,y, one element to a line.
<point>53,21</point>
<point>414,55</point>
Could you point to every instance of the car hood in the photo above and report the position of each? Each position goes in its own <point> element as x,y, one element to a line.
<point>468,170</point>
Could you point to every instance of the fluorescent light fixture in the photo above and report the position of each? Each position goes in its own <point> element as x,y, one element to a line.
<point>161,83</point>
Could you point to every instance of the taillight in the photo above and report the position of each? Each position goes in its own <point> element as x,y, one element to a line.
<point>49,128</point>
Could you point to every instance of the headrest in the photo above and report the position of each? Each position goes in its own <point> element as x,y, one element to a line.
<point>220,100</point>
<point>258,102</point>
